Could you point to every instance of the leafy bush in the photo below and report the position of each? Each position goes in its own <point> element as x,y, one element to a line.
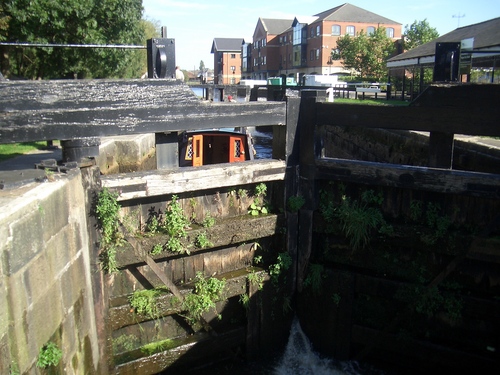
<point>49,355</point>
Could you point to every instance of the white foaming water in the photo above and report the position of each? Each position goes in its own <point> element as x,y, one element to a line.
<point>300,359</point>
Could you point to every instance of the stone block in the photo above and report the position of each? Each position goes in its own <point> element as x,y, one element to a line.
<point>72,283</point>
<point>38,277</point>
<point>27,241</point>
<point>45,316</point>
<point>54,209</point>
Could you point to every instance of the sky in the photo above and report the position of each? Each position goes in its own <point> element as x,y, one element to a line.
<point>194,24</point>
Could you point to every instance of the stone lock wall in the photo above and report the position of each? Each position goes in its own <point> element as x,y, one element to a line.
<point>45,284</point>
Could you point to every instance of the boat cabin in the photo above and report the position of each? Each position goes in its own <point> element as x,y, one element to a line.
<point>204,147</point>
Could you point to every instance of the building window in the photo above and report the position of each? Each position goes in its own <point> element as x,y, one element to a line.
<point>318,30</point>
<point>233,55</point>
<point>350,30</point>
<point>336,30</point>
<point>265,60</point>
<point>281,40</point>
<point>370,30</point>
<point>311,55</point>
<point>390,32</point>
<point>317,54</point>
<point>263,42</point>
<point>312,32</point>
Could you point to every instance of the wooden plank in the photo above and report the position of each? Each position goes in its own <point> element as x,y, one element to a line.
<point>42,110</point>
<point>163,277</point>
<point>181,180</point>
<point>245,229</point>
<point>459,109</point>
<point>483,185</point>
<point>121,315</point>
<point>201,347</point>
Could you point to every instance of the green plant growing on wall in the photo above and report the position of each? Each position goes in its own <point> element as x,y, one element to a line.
<point>429,301</point>
<point>145,302</point>
<point>260,190</point>
<point>201,241</point>
<point>125,342</point>
<point>245,300</point>
<point>258,259</point>
<point>157,347</point>
<point>256,279</point>
<point>107,212</point>
<point>357,220</point>
<point>242,193</point>
<point>314,278</point>
<point>439,223</point>
<point>206,293</point>
<point>157,249</point>
<point>49,355</point>
<point>208,221</point>
<point>153,224</point>
<point>295,203</point>
<point>327,205</point>
<point>175,224</point>
<point>14,369</point>
<point>257,207</point>
<point>283,263</point>
<point>416,210</point>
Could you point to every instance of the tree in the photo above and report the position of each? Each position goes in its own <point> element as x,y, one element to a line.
<point>418,33</point>
<point>366,54</point>
<point>202,66</point>
<point>72,22</point>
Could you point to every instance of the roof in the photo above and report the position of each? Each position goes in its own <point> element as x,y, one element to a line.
<point>275,26</point>
<point>304,19</point>
<point>351,13</point>
<point>485,34</point>
<point>227,45</point>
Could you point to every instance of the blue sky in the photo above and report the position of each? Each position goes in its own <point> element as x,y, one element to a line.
<point>194,24</point>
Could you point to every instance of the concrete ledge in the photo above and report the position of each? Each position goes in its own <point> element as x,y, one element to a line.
<point>128,153</point>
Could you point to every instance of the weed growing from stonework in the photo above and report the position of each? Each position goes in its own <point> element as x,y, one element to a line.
<point>175,224</point>
<point>205,294</point>
<point>49,355</point>
<point>314,278</point>
<point>283,263</point>
<point>208,221</point>
<point>357,218</point>
<point>256,279</point>
<point>157,249</point>
<point>260,190</point>
<point>245,300</point>
<point>125,343</point>
<point>157,347</point>
<point>202,241</point>
<point>294,204</point>
<point>107,212</point>
<point>145,303</point>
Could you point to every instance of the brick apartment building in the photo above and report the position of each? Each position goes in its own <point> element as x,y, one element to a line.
<point>227,60</point>
<point>303,45</point>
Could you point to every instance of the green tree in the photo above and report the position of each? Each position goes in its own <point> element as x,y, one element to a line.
<point>366,54</point>
<point>202,66</point>
<point>72,22</point>
<point>418,33</point>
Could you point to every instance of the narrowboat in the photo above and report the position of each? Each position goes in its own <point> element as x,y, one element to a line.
<point>204,147</point>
